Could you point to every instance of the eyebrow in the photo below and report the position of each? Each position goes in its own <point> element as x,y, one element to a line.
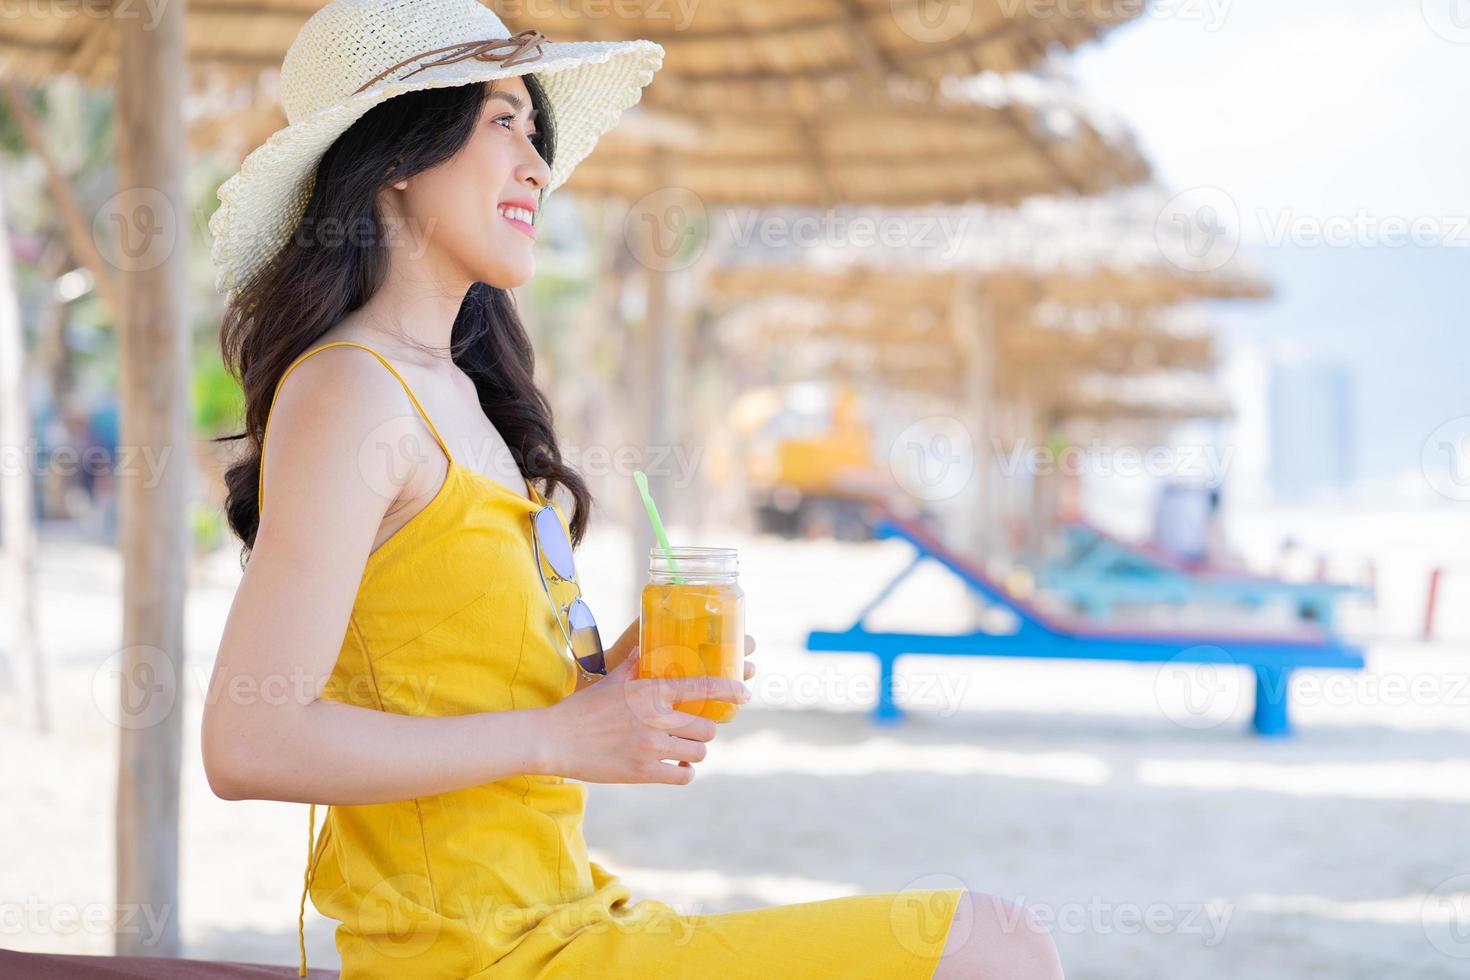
<point>515,101</point>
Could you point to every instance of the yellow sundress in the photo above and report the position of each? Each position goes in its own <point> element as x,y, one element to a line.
<point>494,881</point>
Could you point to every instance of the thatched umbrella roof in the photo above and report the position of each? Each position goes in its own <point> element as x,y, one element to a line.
<point>749,43</point>
<point>1030,357</point>
<point>777,102</point>
<point>1069,290</point>
<point>1017,139</point>
<point>726,46</point>
<point>78,39</point>
<point>783,97</point>
<point>234,55</point>
<point>1076,395</point>
<point>1117,249</point>
<point>1058,407</point>
<point>1165,397</point>
<point>1100,293</point>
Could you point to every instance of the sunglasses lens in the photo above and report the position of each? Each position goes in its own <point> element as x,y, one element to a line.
<point>555,544</point>
<point>586,641</point>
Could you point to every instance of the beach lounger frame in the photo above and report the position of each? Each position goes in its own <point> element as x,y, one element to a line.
<point>1105,571</point>
<point>1272,657</point>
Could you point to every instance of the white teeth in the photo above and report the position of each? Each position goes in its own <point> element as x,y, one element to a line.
<point>519,214</point>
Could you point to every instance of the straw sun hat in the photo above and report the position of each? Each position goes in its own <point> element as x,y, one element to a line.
<point>354,54</point>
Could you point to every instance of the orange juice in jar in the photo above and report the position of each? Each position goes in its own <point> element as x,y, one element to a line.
<point>693,621</point>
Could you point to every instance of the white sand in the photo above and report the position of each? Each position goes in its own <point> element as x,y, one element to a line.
<point>1160,841</point>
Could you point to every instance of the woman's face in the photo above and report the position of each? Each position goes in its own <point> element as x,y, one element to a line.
<point>471,215</point>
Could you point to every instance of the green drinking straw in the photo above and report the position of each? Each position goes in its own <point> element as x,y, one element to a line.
<point>658,525</point>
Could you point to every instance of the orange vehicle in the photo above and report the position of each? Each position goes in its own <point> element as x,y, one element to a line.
<point>816,471</point>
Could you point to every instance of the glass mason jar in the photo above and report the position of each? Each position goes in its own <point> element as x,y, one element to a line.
<point>693,621</point>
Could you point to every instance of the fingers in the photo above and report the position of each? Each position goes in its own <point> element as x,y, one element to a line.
<point>678,774</point>
<point>749,671</point>
<point>686,725</point>
<point>749,644</point>
<point>702,688</point>
<point>685,750</point>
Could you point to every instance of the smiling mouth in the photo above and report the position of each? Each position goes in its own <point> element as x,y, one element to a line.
<point>520,218</point>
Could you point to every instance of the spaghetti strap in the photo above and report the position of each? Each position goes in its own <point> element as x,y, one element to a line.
<point>260,479</point>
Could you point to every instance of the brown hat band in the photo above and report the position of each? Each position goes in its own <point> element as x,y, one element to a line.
<point>479,50</point>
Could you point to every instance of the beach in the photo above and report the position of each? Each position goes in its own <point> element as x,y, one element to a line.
<point>1155,839</point>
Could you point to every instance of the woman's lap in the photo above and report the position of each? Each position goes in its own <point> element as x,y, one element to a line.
<point>888,935</point>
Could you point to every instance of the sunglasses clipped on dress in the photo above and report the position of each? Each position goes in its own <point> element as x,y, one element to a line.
<point>578,626</point>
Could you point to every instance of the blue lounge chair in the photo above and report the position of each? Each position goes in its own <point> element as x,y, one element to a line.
<point>1099,572</point>
<point>1042,634</point>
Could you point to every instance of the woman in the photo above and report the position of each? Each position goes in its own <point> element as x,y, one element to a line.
<point>395,650</point>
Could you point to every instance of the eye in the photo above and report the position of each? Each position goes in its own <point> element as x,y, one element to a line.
<point>510,119</point>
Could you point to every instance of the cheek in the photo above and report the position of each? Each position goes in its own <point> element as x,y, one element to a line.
<point>439,203</point>
<point>482,163</point>
<point>488,158</point>
<point>460,200</point>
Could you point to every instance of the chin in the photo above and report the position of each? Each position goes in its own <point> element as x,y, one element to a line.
<point>508,275</point>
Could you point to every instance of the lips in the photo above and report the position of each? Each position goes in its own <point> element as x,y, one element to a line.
<point>520,214</point>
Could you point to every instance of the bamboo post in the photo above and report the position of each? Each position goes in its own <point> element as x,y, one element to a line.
<point>17,496</point>
<point>151,220</point>
<point>972,324</point>
<point>1042,505</point>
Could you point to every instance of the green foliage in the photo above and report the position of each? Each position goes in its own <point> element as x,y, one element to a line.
<point>218,401</point>
<point>1057,443</point>
<point>207,524</point>
<point>11,143</point>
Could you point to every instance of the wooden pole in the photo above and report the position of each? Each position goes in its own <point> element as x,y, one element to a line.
<point>150,218</point>
<point>17,495</point>
<point>1042,506</point>
<point>972,330</point>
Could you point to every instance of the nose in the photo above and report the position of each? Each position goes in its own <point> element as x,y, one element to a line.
<point>532,170</point>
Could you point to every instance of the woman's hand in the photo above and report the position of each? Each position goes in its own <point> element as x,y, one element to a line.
<point>620,729</point>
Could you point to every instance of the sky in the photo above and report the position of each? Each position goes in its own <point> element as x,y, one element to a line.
<point>1339,134</point>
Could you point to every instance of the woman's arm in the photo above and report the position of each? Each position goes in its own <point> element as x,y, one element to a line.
<point>344,442</point>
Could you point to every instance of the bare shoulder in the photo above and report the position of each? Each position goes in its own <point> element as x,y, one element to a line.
<point>344,440</point>
<point>334,396</point>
